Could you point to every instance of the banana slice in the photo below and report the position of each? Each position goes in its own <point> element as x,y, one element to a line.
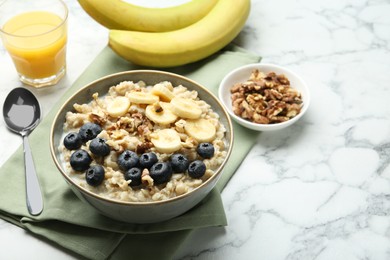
<point>118,107</point>
<point>160,113</point>
<point>202,130</point>
<point>142,97</point>
<point>163,92</point>
<point>185,108</point>
<point>166,141</point>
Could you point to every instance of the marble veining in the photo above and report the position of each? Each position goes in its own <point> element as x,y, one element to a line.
<point>322,186</point>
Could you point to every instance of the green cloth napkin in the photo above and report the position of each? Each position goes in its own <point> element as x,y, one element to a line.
<point>72,224</point>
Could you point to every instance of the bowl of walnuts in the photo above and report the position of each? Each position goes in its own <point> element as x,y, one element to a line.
<point>141,146</point>
<point>264,97</point>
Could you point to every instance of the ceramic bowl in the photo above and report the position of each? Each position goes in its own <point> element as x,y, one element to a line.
<point>139,212</point>
<point>242,74</point>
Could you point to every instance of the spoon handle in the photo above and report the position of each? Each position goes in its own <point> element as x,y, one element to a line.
<point>33,191</point>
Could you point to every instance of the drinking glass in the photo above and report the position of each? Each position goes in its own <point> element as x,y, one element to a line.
<point>34,32</point>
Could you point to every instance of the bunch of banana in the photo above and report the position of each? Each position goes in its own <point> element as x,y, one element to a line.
<point>118,14</point>
<point>165,113</point>
<point>216,25</point>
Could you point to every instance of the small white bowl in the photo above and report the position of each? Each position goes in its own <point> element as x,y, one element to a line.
<point>242,74</point>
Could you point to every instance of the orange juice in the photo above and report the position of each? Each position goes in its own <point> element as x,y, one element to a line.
<point>36,41</point>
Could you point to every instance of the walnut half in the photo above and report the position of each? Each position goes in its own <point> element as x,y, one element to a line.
<point>266,98</point>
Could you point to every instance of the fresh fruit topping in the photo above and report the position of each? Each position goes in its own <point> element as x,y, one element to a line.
<point>72,141</point>
<point>134,175</point>
<point>163,92</point>
<point>118,107</point>
<point>142,97</point>
<point>94,175</point>
<point>166,140</point>
<point>89,131</point>
<point>160,113</point>
<point>99,147</point>
<point>80,160</point>
<point>206,150</point>
<point>147,160</point>
<point>179,163</point>
<point>196,169</point>
<point>161,172</point>
<point>202,130</point>
<point>128,159</point>
<point>185,108</point>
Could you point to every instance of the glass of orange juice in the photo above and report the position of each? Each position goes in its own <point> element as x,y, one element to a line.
<point>34,32</point>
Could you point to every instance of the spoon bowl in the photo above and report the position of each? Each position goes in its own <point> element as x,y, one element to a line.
<point>22,113</point>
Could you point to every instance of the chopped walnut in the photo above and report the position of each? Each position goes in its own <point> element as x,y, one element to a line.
<point>179,126</point>
<point>266,98</point>
<point>146,179</point>
<point>189,143</point>
<point>99,119</point>
<point>143,147</point>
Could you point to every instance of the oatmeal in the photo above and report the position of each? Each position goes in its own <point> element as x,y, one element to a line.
<point>143,143</point>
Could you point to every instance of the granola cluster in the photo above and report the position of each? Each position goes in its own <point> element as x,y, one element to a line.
<point>266,98</point>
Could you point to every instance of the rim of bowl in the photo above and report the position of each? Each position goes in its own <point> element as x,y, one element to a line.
<point>129,203</point>
<point>257,126</point>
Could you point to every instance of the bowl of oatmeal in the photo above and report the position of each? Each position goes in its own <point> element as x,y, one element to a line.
<point>141,146</point>
<point>264,97</point>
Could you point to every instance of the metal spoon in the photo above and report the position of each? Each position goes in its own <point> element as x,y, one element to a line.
<point>22,114</point>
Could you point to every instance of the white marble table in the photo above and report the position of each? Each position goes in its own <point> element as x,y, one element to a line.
<point>317,190</point>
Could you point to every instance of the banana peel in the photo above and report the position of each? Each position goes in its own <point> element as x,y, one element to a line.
<point>190,44</point>
<point>118,14</point>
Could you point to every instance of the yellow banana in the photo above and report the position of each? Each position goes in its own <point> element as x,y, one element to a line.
<point>195,42</point>
<point>117,14</point>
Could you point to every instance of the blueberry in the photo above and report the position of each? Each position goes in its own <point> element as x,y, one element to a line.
<point>94,175</point>
<point>99,147</point>
<point>72,141</point>
<point>161,172</point>
<point>128,159</point>
<point>89,131</point>
<point>206,150</point>
<point>147,160</point>
<point>134,174</point>
<point>196,169</point>
<point>80,160</point>
<point>179,162</point>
